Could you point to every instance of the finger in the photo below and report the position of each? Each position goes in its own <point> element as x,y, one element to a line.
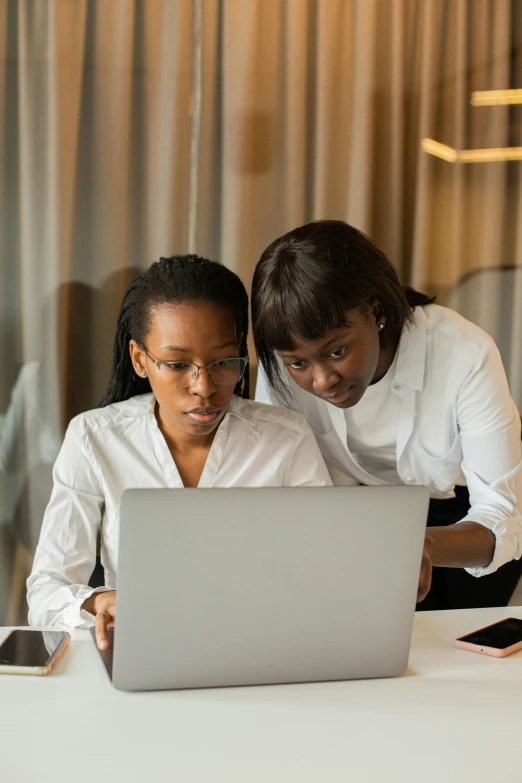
<point>422,592</point>
<point>424,580</point>
<point>102,640</point>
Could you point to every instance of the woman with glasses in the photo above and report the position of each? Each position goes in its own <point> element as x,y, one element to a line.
<point>397,391</point>
<point>176,413</point>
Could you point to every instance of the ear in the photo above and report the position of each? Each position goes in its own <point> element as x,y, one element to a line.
<point>138,358</point>
<point>375,310</point>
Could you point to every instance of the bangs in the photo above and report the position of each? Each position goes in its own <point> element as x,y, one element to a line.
<point>299,312</point>
<point>307,281</point>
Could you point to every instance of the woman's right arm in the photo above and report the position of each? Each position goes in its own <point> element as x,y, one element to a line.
<point>66,552</point>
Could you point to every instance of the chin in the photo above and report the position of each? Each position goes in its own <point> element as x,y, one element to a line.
<point>200,429</point>
<point>194,429</point>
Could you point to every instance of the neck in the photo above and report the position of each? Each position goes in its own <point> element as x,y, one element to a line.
<point>386,357</point>
<point>179,440</point>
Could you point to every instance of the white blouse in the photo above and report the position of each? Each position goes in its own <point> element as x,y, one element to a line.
<point>371,429</point>
<point>118,447</point>
<point>457,424</point>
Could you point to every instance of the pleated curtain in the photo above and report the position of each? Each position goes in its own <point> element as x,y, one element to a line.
<point>131,129</point>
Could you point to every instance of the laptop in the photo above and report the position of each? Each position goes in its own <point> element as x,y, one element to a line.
<point>226,587</point>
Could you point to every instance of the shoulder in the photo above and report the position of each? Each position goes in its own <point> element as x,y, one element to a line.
<point>449,331</point>
<point>268,417</point>
<point>110,417</point>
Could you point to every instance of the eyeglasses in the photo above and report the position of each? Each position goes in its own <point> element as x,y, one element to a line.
<point>224,372</point>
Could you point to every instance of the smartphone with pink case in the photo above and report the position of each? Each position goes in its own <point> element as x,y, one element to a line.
<point>499,639</point>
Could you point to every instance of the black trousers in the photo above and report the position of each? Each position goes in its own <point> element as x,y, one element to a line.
<point>454,588</point>
<point>98,575</point>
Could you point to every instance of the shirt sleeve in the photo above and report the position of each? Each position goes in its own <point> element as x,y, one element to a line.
<point>66,552</point>
<point>305,466</point>
<point>489,424</point>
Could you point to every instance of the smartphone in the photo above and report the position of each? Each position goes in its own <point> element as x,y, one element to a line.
<point>499,639</point>
<point>25,651</point>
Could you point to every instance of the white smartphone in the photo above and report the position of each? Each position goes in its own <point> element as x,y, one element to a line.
<point>499,639</point>
<point>24,651</point>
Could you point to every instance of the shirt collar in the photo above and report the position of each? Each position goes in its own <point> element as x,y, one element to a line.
<point>411,360</point>
<point>241,408</point>
<point>146,403</point>
<point>140,404</point>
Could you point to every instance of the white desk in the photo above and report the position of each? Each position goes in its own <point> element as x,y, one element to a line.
<point>455,716</point>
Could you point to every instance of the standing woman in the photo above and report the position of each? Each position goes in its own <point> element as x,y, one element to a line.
<point>397,390</point>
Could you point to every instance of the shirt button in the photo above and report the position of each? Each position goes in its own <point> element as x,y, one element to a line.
<point>396,387</point>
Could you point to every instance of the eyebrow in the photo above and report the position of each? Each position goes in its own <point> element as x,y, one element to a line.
<point>333,340</point>
<point>228,344</point>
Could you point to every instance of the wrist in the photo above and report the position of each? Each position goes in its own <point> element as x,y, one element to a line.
<point>95,601</point>
<point>88,604</point>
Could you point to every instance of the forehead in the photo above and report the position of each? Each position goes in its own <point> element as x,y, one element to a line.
<point>191,323</point>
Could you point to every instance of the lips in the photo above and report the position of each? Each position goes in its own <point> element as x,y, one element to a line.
<point>338,399</point>
<point>203,415</point>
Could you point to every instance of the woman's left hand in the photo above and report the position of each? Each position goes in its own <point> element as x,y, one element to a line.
<point>426,569</point>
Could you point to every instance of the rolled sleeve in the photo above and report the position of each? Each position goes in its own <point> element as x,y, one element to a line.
<point>494,506</point>
<point>492,457</point>
<point>66,552</point>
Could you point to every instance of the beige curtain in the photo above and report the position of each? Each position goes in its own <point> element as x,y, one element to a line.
<point>307,109</point>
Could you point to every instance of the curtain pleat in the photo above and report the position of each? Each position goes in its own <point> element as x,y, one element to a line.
<point>309,109</point>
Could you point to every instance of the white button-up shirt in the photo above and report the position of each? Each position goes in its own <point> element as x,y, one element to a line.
<point>457,424</point>
<point>118,447</point>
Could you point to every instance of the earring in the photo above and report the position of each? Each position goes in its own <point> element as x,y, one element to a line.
<point>381,326</point>
<point>144,374</point>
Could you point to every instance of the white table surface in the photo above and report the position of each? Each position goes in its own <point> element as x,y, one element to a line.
<point>455,716</point>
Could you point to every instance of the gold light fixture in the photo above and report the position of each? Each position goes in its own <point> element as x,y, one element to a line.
<point>439,150</point>
<point>451,155</point>
<point>495,154</point>
<point>496,97</point>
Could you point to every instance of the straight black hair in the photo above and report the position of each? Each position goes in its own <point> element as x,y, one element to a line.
<point>306,281</point>
<point>172,280</point>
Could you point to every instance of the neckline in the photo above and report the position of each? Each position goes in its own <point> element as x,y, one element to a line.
<point>386,378</point>
<point>212,463</point>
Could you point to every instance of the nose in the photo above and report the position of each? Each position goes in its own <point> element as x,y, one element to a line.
<point>324,379</point>
<point>203,386</point>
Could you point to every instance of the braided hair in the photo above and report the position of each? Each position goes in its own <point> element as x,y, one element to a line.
<point>177,279</point>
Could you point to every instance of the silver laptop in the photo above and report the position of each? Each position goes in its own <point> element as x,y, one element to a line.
<point>222,587</point>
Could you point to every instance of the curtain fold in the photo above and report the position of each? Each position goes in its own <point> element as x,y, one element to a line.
<point>309,109</point>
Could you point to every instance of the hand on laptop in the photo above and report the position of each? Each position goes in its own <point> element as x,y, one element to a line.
<point>426,569</point>
<point>103,605</point>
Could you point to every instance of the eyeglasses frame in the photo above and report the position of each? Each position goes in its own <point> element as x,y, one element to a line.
<point>199,367</point>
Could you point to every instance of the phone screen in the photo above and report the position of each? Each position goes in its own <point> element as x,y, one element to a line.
<point>499,635</point>
<point>30,648</point>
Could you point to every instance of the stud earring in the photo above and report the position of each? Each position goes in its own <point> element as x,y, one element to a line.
<point>381,326</point>
<point>144,374</point>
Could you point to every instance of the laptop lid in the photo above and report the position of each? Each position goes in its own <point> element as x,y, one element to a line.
<point>222,587</point>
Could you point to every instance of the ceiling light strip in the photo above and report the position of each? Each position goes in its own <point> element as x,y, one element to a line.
<point>496,97</point>
<point>451,155</point>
